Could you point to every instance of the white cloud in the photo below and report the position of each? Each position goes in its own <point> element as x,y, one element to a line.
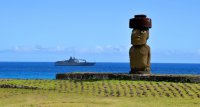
<point>175,56</point>
<point>95,49</point>
<point>98,49</point>
<point>111,49</point>
<point>198,52</point>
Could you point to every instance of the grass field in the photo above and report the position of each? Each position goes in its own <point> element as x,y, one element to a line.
<point>104,93</point>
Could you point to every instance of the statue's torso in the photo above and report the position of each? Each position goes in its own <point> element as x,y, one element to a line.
<point>139,56</point>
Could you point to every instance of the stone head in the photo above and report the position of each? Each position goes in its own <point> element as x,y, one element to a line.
<point>139,36</point>
<point>140,33</point>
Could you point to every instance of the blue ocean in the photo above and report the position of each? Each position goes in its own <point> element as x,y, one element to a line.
<point>47,70</point>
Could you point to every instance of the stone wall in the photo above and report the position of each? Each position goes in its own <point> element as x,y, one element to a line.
<point>119,76</point>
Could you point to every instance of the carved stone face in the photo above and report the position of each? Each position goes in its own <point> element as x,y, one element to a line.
<point>139,37</point>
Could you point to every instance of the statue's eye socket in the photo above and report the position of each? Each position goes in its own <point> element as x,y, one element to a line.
<point>134,31</point>
<point>143,31</point>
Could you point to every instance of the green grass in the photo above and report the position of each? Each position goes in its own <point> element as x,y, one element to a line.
<point>104,93</point>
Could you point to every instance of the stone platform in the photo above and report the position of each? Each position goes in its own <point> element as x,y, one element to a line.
<point>120,76</point>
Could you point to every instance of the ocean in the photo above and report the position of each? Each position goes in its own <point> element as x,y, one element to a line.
<point>47,70</point>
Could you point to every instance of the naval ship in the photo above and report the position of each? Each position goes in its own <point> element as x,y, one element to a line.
<point>74,62</point>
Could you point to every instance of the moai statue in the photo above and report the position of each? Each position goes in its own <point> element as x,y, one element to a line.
<point>139,52</point>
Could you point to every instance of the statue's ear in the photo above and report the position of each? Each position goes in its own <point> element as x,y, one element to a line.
<point>147,34</point>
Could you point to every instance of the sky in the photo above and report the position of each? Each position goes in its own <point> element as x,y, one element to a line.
<point>97,30</point>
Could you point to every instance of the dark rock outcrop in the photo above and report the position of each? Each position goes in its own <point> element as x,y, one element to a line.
<point>17,86</point>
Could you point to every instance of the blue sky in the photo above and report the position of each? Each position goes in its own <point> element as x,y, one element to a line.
<point>97,30</point>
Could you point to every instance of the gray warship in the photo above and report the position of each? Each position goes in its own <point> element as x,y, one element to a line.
<point>74,62</point>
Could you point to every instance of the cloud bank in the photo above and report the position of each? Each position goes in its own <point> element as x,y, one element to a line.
<point>107,53</point>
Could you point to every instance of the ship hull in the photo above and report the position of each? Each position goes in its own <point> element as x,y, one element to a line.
<point>74,64</point>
